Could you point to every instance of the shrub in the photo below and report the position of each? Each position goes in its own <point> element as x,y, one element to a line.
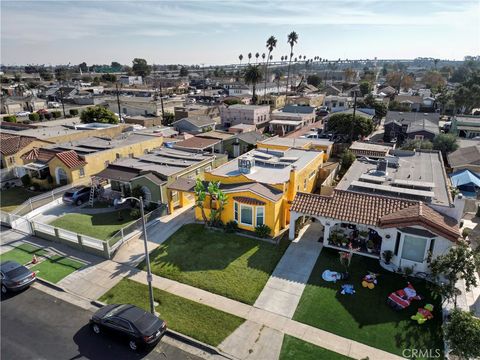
<point>56,114</point>
<point>466,232</point>
<point>26,181</point>
<point>231,226</point>
<point>73,112</point>
<point>262,230</point>
<point>34,116</point>
<point>151,206</point>
<point>135,213</point>
<point>48,116</point>
<point>478,211</point>
<point>68,116</point>
<point>36,187</point>
<point>10,118</point>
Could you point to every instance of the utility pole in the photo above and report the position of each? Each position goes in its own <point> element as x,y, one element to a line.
<point>161,93</point>
<point>118,103</point>
<point>354,111</point>
<point>63,103</point>
<point>204,82</point>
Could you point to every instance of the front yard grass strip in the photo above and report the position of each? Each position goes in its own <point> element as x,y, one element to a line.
<point>226,264</point>
<point>293,348</point>
<point>56,268</point>
<point>11,198</point>
<point>23,253</point>
<point>100,226</point>
<point>196,320</point>
<point>365,316</point>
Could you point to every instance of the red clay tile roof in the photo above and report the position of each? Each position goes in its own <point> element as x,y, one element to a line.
<point>375,210</point>
<point>248,200</point>
<point>71,159</point>
<point>11,144</point>
<point>39,154</point>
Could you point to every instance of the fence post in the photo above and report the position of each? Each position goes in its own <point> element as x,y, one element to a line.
<point>53,196</point>
<point>31,206</point>
<point>106,249</point>
<point>121,230</point>
<point>57,236</point>
<point>80,240</point>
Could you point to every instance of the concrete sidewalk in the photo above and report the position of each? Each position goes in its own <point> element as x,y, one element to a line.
<point>284,288</point>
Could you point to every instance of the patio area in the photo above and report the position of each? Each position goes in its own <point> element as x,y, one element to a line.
<point>363,239</point>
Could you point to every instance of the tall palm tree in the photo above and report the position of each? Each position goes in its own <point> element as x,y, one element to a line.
<point>292,39</point>
<point>249,57</point>
<point>263,57</point>
<point>271,44</point>
<point>240,57</point>
<point>257,55</point>
<point>253,76</point>
<point>281,58</point>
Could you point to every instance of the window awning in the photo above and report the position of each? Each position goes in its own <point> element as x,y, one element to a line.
<point>248,200</point>
<point>36,166</point>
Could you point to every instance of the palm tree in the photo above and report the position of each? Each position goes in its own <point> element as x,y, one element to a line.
<point>253,76</point>
<point>240,57</point>
<point>263,56</point>
<point>257,55</point>
<point>292,39</point>
<point>281,58</point>
<point>304,57</point>
<point>249,57</point>
<point>271,44</point>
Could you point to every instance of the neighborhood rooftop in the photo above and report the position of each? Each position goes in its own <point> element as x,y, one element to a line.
<point>270,167</point>
<point>420,175</point>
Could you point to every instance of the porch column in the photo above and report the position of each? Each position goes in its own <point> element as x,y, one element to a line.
<point>291,231</point>
<point>326,231</point>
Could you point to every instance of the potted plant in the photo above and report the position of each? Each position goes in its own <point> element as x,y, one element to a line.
<point>363,234</point>
<point>344,241</point>
<point>370,246</point>
<point>387,256</point>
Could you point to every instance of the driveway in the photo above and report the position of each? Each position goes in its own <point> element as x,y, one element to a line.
<point>284,288</point>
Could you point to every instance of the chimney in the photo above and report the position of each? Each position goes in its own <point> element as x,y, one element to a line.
<point>292,183</point>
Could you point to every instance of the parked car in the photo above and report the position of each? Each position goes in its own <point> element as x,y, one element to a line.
<point>53,104</point>
<point>42,111</point>
<point>23,113</point>
<point>311,135</point>
<point>129,322</point>
<point>15,277</point>
<point>77,195</point>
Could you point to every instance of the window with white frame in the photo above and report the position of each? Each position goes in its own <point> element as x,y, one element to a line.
<point>260,215</point>
<point>312,175</point>
<point>414,248</point>
<point>305,184</point>
<point>418,137</point>
<point>246,215</point>
<point>82,172</point>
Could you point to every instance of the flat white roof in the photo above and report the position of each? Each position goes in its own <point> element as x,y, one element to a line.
<point>393,189</point>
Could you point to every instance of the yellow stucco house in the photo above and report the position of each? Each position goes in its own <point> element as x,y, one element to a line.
<point>285,143</point>
<point>70,162</point>
<point>260,186</point>
<point>12,147</point>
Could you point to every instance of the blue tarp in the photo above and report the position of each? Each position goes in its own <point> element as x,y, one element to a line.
<point>466,181</point>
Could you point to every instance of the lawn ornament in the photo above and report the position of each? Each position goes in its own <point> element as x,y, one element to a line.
<point>401,299</point>
<point>333,276</point>
<point>34,259</point>
<point>423,314</point>
<point>347,289</point>
<point>369,280</point>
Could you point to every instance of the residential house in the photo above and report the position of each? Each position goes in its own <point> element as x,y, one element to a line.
<point>240,89</point>
<point>259,185</point>
<point>194,124</point>
<point>331,89</point>
<point>14,104</point>
<point>465,158</point>
<point>130,80</point>
<point>414,232</point>
<point>197,144</point>
<point>241,128</point>
<point>142,120</point>
<point>258,115</point>
<point>402,125</point>
<point>182,112</point>
<point>223,136</point>
<point>156,171</point>
<point>387,91</point>
<point>283,123</point>
<point>71,161</point>
<point>276,101</point>
<point>466,126</point>
<point>312,100</point>
<point>416,102</point>
<point>286,143</point>
<point>337,103</point>
<point>369,150</point>
<point>467,182</point>
<point>242,143</point>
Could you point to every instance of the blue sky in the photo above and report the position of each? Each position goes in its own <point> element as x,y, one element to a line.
<point>216,32</point>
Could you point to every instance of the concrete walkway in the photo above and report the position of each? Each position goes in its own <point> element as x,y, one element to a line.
<point>284,288</point>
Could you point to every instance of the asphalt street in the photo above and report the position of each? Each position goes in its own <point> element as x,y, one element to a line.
<point>35,325</point>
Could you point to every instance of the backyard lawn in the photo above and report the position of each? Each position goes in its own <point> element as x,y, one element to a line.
<point>11,198</point>
<point>56,268</point>
<point>22,254</point>
<point>226,264</point>
<point>199,321</point>
<point>365,316</point>
<point>293,348</point>
<point>100,226</point>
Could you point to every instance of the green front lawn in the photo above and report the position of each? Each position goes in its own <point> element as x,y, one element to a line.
<point>56,268</point>
<point>293,348</point>
<point>365,316</point>
<point>22,254</point>
<point>100,226</point>
<point>11,198</point>
<point>226,264</point>
<point>198,321</point>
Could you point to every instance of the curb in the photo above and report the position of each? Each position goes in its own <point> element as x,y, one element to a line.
<point>182,338</point>
<point>50,284</point>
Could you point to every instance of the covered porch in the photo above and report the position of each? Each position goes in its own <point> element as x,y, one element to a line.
<point>180,193</point>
